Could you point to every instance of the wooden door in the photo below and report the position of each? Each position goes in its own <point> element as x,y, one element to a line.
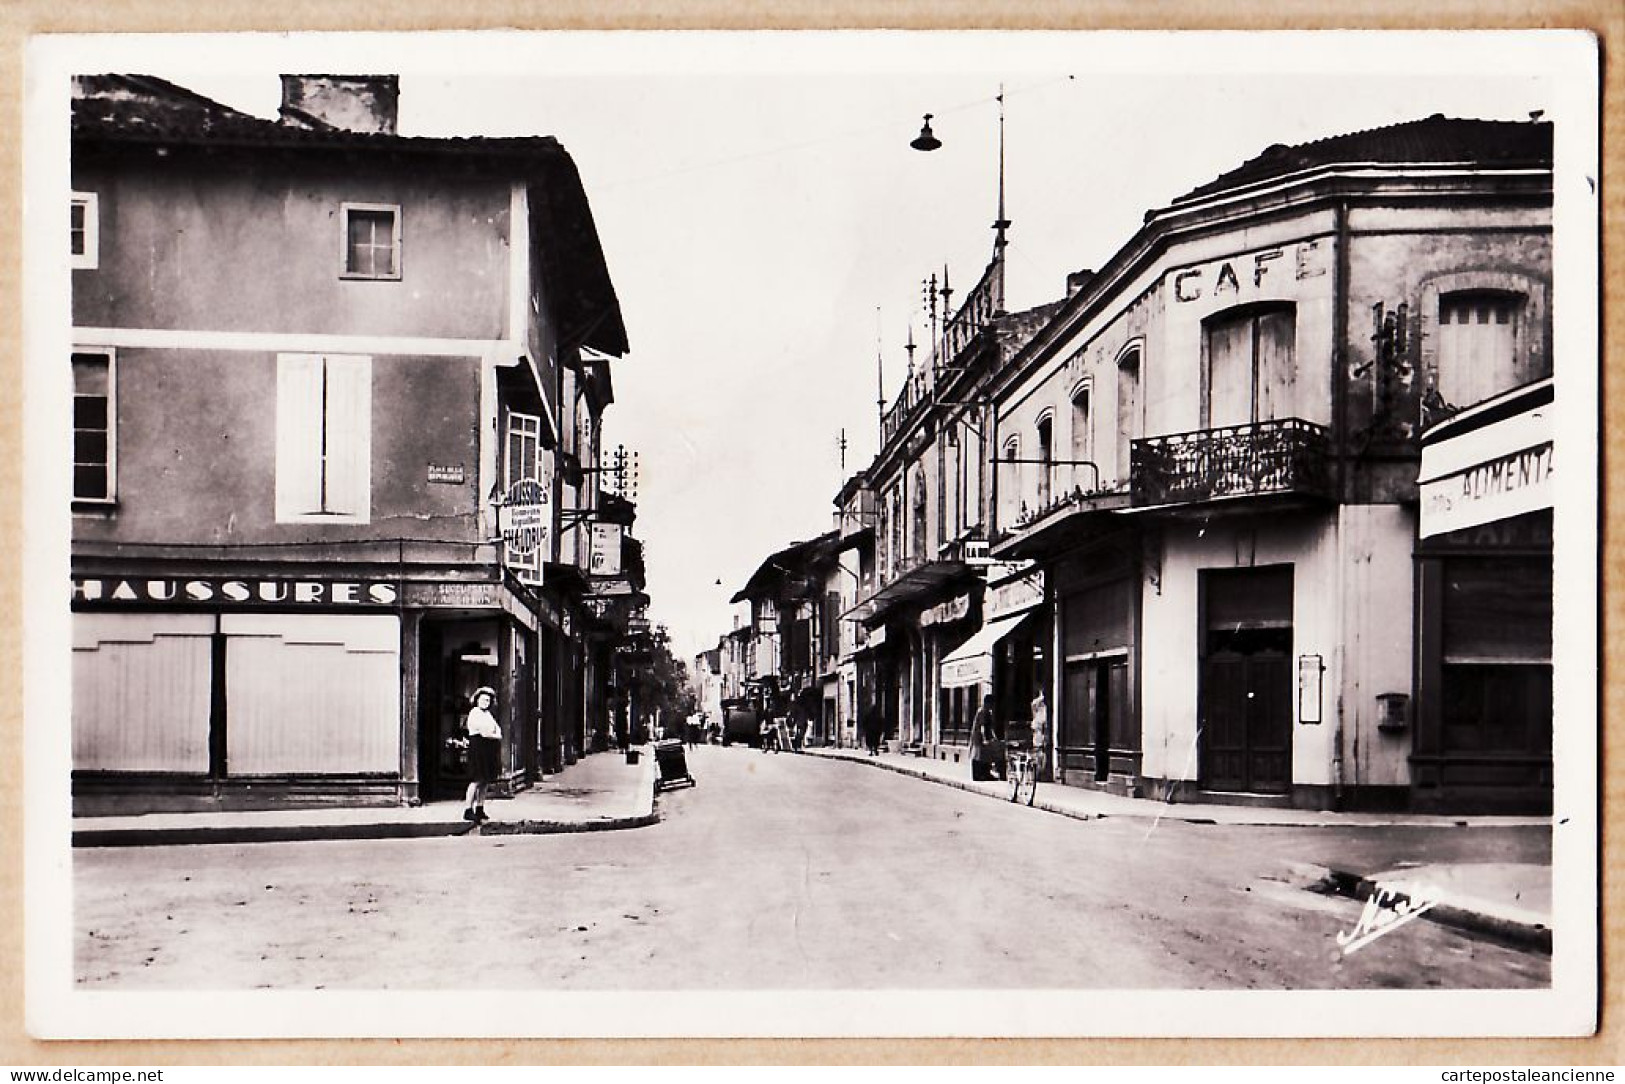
<point>1246,710</point>
<point>1223,736</point>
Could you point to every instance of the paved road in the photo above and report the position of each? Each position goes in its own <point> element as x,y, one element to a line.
<point>777,871</point>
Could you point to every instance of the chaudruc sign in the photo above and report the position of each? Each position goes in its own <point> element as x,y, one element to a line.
<point>229,591</point>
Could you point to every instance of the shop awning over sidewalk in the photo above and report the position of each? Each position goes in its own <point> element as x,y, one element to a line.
<point>971,663</point>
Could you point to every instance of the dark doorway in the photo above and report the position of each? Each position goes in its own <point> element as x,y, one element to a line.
<point>1246,681</point>
<point>1095,715</point>
<point>457,657</point>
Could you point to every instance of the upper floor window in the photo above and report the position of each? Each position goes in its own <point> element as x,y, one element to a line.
<point>1478,345</point>
<point>323,439</point>
<point>1010,483</point>
<point>83,230</point>
<point>1128,406</point>
<point>93,426</point>
<point>917,549</point>
<point>372,241</point>
<point>1248,361</point>
<point>1046,455</point>
<point>1083,438</point>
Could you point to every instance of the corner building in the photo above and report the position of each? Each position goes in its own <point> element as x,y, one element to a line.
<point>1246,603</point>
<point>326,387</point>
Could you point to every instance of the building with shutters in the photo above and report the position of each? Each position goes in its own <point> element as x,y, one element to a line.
<point>1284,467</point>
<point>337,404</point>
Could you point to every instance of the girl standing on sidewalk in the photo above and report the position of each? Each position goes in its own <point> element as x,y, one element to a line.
<point>484,751</point>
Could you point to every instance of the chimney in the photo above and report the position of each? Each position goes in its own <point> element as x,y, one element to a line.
<point>349,103</point>
<point>1077,280</point>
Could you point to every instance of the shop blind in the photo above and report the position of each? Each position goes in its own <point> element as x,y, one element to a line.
<point>1097,618</point>
<point>1497,610</point>
<point>1254,598</point>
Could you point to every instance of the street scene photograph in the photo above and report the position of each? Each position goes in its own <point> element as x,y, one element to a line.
<point>1035,534</point>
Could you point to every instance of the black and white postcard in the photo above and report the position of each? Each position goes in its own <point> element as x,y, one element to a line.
<point>811,534</point>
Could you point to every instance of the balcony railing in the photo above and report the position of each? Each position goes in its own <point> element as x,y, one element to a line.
<point>1284,456</point>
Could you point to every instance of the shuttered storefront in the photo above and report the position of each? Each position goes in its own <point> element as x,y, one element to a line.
<point>141,688</point>
<point>312,694</point>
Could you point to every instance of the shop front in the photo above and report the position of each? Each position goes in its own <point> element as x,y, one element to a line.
<point>290,685</point>
<point>946,626</point>
<point>1097,728</point>
<point>194,690</point>
<point>1484,709</point>
<point>1004,657</point>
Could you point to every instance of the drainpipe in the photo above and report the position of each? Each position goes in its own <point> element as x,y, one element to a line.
<point>1340,429</point>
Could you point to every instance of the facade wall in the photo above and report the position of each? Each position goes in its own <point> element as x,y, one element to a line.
<point>225,247</point>
<point>1410,258</point>
<point>208,473</point>
<point>1169,694</point>
<point>1377,640</point>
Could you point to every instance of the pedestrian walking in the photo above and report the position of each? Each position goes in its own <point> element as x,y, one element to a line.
<point>986,761</point>
<point>871,731</point>
<point>484,751</point>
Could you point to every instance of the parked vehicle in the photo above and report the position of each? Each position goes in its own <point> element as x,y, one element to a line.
<point>741,723</point>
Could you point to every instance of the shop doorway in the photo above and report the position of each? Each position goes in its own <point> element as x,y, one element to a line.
<point>456,657</point>
<point>1245,700</point>
<point>1095,715</point>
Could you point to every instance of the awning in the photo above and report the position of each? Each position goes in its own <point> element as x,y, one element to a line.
<point>1488,463</point>
<point>971,663</point>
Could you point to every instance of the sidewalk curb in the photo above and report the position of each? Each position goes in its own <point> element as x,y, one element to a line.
<point>1523,935</point>
<point>547,828</point>
<point>247,833</point>
<point>1158,811</point>
<point>190,835</point>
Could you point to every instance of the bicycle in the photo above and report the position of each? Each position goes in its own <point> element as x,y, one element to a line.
<point>1021,772</point>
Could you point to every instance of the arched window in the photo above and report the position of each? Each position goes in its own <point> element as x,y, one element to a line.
<point>1009,482</point>
<point>1046,455</point>
<point>1083,436</point>
<point>1247,365</point>
<point>1129,425</point>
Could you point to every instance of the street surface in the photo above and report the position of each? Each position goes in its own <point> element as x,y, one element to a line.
<point>781,872</point>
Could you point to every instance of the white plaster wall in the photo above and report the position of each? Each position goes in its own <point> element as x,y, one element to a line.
<point>1378,638</point>
<point>1170,673</point>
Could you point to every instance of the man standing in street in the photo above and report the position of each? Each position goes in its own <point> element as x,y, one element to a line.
<point>985,761</point>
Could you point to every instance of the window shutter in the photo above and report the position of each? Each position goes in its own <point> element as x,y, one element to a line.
<point>1128,409</point>
<point>298,435</point>
<point>1275,353</point>
<point>1230,374</point>
<point>1477,347</point>
<point>349,436</point>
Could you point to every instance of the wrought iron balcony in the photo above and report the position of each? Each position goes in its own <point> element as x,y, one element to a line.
<point>1283,456</point>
